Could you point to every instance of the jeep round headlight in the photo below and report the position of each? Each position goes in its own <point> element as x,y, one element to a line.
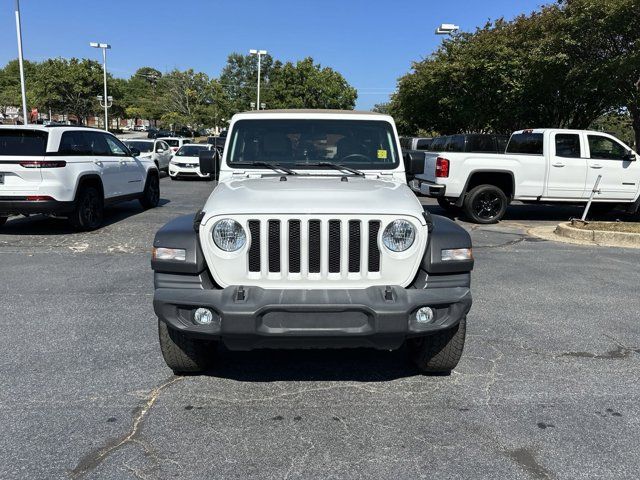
<point>399,236</point>
<point>229,235</point>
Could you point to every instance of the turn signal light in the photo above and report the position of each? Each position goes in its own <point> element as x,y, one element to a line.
<point>442,167</point>
<point>175,254</point>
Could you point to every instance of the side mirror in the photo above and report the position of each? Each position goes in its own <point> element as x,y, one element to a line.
<point>209,162</point>
<point>630,156</point>
<point>414,163</point>
<point>134,152</point>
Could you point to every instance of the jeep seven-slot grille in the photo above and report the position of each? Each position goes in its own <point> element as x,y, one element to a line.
<point>324,249</point>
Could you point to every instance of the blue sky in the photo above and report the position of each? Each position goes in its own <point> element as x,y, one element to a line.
<point>371,43</point>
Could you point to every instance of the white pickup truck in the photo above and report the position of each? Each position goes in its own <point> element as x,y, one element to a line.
<point>540,166</point>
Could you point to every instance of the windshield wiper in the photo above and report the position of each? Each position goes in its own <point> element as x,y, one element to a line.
<point>336,166</point>
<point>272,166</point>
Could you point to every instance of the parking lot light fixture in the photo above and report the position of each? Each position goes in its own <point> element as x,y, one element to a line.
<point>106,105</point>
<point>447,29</point>
<point>259,53</point>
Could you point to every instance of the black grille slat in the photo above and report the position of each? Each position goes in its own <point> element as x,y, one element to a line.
<point>334,246</point>
<point>294,246</point>
<point>354,246</point>
<point>314,246</point>
<point>374,251</point>
<point>254,249</point>
<point>274,245</point>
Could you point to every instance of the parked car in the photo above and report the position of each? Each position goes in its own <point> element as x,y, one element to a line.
<point>415,143</point>
<point>72,172</point>
<point>175,142</point>
<point>217,142</point>
<point>157,133</point>
<point>156,150</point>
<point>340,256</point>
<point>185,162</point>
<point>539,166</point>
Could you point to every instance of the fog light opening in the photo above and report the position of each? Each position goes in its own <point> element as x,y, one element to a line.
<point>203,316</point>
<point>424,315</point>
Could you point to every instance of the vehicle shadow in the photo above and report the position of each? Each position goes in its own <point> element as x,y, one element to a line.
<point>540,213</point>
<point>356,365</point>
<point>45,225</point>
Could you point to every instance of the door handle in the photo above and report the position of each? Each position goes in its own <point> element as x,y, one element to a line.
<point>123,162</point>
<point>98,163</point>
<point>596,166</point>
<point>560,165</point>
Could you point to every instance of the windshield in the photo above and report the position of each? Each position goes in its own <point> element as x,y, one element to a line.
<point>361,144</point>
<point>22,142</point>
<point>173,143</point>
<point>191,150</point>
<point>142,146</point>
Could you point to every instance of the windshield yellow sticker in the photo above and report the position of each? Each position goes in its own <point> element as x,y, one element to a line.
<point>382,154</point>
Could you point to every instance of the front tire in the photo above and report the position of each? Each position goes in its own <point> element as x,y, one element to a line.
<point>89,210</point>
<point>183,354</point>
<point>485,204</point>
<point>440,352</point>
<point>151,194</point>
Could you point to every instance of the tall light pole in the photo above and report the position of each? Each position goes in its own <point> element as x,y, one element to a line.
<point>104,47</point>
<point>21,62</point>
<point>259,53</point>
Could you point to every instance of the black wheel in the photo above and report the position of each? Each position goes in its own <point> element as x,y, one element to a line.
<point>485,204</point>
<point>89,211</point>
<point>183,354</point>
<point>151,194</point>
<point>3,220</point>
<point>438,353</point>
<point>446,204</point>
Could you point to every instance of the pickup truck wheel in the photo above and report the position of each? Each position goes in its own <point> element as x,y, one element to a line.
<point>183,354</point>
<point>89,210</point>
<point>438,353</point>
<point>485,204</point>
<point>151,194</point>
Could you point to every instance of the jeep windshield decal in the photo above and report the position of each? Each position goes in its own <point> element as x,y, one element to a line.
<point>346,145</point>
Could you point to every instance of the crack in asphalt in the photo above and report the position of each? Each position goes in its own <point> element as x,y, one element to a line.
<point>93,459</point>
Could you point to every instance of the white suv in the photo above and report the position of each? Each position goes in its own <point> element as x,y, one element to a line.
<point>72,172</point>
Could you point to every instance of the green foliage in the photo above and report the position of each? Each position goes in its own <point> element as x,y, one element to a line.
<point>618,124</point>
<point>308,85</point>
<point>179,98</point>
<point>563,66</point>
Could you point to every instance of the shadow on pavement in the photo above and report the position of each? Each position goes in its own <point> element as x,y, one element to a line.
<point>358,365</point>
<point>44,225</point>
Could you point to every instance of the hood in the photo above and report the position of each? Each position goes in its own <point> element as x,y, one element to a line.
<point>312,195</point>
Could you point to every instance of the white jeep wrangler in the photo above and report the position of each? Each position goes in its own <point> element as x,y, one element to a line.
<point>311,238</point>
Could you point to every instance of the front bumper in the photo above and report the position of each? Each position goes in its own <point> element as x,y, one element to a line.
<point>253,317</point>
<point>182,171</point>
<point>22,206</point>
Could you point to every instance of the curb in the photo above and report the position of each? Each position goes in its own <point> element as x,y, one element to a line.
<point>601,237</point>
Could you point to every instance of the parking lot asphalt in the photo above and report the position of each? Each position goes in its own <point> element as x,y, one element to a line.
<point>547,386</point>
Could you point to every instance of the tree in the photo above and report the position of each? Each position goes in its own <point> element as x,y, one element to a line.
<point>139,97</point>
<point>606,38</point>
<point>69,86</point>
<point>239,79</point>
<point>10,92</point>
<point>563,66</point>
<point>308,85</point>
